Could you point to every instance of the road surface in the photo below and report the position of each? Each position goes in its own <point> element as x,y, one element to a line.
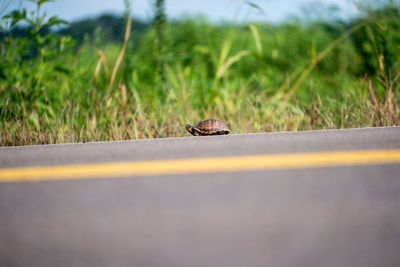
<point>315,198</point>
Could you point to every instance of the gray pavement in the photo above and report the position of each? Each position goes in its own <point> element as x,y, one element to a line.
<point>201,146</point>
<point>337,216</point>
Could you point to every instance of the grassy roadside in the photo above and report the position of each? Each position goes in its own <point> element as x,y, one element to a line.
<point>258,78</point>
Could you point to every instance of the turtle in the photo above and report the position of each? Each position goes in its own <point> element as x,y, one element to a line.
<point>208,127</point>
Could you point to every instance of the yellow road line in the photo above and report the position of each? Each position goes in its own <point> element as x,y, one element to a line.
<point>202,165</point>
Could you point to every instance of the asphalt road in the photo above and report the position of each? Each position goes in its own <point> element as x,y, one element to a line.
<point>324,216</point>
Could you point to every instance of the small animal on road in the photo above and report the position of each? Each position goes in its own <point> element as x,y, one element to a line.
<point>208,127</point>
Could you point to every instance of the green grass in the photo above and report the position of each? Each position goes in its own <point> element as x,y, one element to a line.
<point>257,78</point>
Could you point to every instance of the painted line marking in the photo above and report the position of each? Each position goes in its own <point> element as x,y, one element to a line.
<point>202,165</point>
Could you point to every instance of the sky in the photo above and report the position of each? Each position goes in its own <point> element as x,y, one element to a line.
<point>273,11</point>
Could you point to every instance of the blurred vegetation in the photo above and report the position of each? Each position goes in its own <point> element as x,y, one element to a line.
<point>115,78</point>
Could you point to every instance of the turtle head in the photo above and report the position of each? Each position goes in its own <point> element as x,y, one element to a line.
<point>190,129</point>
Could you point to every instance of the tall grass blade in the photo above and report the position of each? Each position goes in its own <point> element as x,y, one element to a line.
<point>230,62</point>
<point>321,56</point>
<point>371,90</point>
<point>121,54</point>
<point>257,39</point>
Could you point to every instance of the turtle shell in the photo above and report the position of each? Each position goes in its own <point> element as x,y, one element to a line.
<point>212,127</point>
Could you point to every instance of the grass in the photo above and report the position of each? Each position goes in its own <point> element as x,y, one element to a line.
<point>258,78</point>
